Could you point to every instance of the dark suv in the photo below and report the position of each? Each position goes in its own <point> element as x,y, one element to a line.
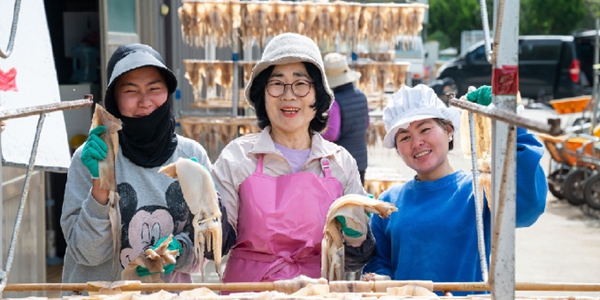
<point>584,42</point>
<point>549,68</point>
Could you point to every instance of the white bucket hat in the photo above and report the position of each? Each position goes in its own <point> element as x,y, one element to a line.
<point>288,48</point>
<point>337,70</point>
<point>413,104</point>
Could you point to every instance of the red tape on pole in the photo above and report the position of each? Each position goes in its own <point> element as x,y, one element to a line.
<point>505,80</point>
<point>8,80</point>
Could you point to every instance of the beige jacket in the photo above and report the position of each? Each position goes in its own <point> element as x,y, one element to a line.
<point>239,159</point>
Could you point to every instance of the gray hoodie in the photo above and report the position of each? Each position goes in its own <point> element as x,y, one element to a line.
<point>152,206</point>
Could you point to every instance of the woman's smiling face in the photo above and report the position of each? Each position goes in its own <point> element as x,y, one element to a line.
<point>290,113</point>
<point>424,147</point>
<point>140,92</point>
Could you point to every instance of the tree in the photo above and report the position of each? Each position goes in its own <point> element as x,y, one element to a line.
<point>550,16</point>
<point>452,17</point>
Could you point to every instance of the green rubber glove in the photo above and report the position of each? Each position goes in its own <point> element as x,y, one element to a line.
<point>481,96</point>
<point>173,245</point>
<point>95,149</point>
<point>207,170</point>
<point>349,232</point>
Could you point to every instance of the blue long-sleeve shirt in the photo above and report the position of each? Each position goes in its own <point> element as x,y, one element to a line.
<point>433,234</point>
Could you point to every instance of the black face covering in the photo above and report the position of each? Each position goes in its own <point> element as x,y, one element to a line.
<point>149,141</point>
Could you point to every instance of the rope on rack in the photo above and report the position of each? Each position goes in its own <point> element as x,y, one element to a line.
<point>13,242</point>
<point>478,209</point>
<point>486,30</point>
<point>13,31</point>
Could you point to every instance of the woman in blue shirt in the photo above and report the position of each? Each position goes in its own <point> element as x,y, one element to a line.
<point>433,235</point>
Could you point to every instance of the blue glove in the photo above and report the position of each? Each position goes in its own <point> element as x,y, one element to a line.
<point>173,245</point>
<point>481,96</point>
<point>349,232</point>
<point>95,149</point>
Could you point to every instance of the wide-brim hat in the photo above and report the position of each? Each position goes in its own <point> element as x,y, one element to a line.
<point>337,70</point>
<point>289,48</point>
<point>130,57</point>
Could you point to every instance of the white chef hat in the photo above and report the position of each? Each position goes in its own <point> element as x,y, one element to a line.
<point>413,104</point>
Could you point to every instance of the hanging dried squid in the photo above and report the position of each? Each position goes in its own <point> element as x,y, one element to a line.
<point>201,197</point>
<point>212,75</point>
<point>354,208</point>
<point>257,12</point>
<point>193,18</point>
<point>275,14</point>
<point>399,71</point>
<point>293,18</point>
<point>376,25</point>
<point>324,24</point>
<point>193,72</point>
<point>350,27</point>
<point>225,78</point>
<point>365,82</point>
<point>483,146</point>
<point>414,19</point>
<point>219,22</point>
<point>308,18</point>
<point>245,25</point>
<point>106,170</point>
<point>383,74</point>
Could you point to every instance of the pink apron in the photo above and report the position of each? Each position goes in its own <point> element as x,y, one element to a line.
<point>280,225</point>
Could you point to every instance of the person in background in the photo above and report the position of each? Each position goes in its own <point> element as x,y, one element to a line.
<point>349,114</point>
<point>278,185</point>
<point>151,205</point>
<point>433,234</point>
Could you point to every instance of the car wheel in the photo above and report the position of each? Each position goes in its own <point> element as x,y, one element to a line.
<point>591,191</point>
<point>556,180</point>
<point>573,186</point>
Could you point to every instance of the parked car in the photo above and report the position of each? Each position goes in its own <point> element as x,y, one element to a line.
<point>549,68</point>
<point>584,42</point>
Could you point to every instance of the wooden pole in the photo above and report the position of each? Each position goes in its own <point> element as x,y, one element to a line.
<point>270,286</point>
<point>6,114</point>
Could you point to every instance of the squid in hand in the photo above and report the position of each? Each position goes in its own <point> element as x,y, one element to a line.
<point>154,260</point>
<point>201,197</point>
<point>354,208</point>
<point>106,170</point>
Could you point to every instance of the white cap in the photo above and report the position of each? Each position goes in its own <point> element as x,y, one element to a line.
<point>413,104</point>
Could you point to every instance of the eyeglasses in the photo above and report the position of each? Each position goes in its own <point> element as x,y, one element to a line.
<point>300,87</point>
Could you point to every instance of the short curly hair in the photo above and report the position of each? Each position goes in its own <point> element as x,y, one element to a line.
<point>321,105</point>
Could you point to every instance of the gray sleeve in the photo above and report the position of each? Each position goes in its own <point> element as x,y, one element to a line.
<point>187,262</point>
<point>357,257</point>
<point>84,221</point>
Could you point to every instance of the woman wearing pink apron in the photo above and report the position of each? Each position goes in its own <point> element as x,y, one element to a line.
<point>277,185</point>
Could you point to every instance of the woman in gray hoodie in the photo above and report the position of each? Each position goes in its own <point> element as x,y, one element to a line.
<point>151,205</point>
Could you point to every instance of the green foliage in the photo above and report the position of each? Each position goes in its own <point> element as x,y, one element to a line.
<point>593,7</point>
<point>451,17</point>
<point>550,16</point>
<point>441,38</point>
